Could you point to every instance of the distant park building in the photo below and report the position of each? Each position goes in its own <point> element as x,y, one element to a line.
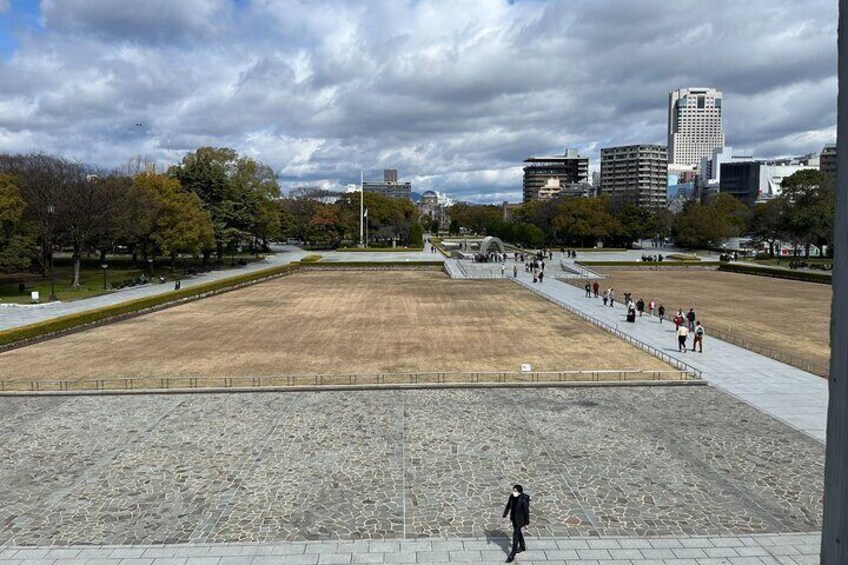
<point>435,206</point>
<point>694,125</point>
<point>567,170</point>
<point>753,181</point>
<point>637,172</point>
<point>828,160</point>
<point>389,186</point>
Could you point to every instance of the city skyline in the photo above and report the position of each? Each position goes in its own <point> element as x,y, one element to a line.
<point>455,96</point>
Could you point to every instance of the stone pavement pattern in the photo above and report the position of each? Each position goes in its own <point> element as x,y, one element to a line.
<point>393,464</point>
<point>757,549</point>
<point>794,396</point>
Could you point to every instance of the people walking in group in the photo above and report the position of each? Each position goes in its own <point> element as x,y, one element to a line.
<point>518,509</point>
<point>595,288</point>
<point>690,317</point>
<point>661,313</point>
<point>640,306</point>
<point>682,334</point>
<point>588,290</point>
<point>515,272</point>
<point>679,320</point>
<point>612,297</point>
<point>651,306</point>
<point>503,269</point>
<point>606,296</point>
<point>698,339</point>
<point>541,275</point>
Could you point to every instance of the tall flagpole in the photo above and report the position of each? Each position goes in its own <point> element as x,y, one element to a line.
<point>361,208</point>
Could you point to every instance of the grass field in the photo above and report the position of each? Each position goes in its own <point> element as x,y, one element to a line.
<point>336,322</point>
<point>785,315</point>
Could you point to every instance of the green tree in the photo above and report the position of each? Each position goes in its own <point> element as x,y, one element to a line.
<point>17,242</point>
<point>585,221</point>
<point>767,222</point>
<point>810,199</point>
<point>701,226</point>
<point>416,237</point>
<point>453,227</point>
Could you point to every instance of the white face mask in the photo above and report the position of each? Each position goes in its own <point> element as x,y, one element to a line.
<point>515,493</point>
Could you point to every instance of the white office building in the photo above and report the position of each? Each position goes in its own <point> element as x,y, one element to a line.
<point>694,125</point>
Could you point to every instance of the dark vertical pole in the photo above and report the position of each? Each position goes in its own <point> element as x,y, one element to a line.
<point>835,522</point>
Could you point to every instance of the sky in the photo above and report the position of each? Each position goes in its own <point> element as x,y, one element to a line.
<point>455,94</point>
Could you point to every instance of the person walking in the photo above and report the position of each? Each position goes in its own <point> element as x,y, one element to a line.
<point>606,296</point>
<point>661,313</point>
<point>612,297</point>
<point>515,272</point>
<point>588,290</point>
<point>690,317</point>
<point>698,339</point>
<point>651,306</point>
<point>682,334</point>
<point>518,508</point>
<point>595,288</point>
<point>503,269</point>
<point>640,306</point>
<point>541,275</point>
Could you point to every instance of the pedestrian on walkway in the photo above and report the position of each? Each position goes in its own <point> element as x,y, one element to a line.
<point>606,296</point>
<point>699,338</point>
<point>503,269</point>
<point>651,306</point>
<point>595,288</point>
<point>541,276</point>
<point>690,317</point>
<point>678,319</point>
<point>682,334</point>
<point>515,272</point>
<point>588,290</point>
<point>535,278</point>
<point>661,313</point>
<point>518,508</point>
<point>612,297</point>
<point>640,306</point>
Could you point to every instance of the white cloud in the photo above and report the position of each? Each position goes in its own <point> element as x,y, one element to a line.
<point>4,7</point>
<point>454,93</point>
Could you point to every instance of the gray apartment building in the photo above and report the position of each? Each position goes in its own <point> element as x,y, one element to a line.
<point>639,172</point>
<point>389,186</point>
<point>567,169</point>
<point>827,160</point>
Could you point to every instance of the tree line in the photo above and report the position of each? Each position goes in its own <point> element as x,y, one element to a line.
<point>212,202</point>
<point>802,216</point>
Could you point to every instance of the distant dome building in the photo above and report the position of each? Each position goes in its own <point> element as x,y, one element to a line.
<point>432,210</point>
<point>430,198</point>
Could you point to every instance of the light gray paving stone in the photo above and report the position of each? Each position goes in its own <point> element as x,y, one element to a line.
<point>805,559</point>
<point>680,561</point>
<point>564,554</point>
<point>636,543</point>
<point>31,553</point>
<point>202,560</point>
<point>664,543</point>
<point>696,542</point>
<point>745,561</point>
<point>296,559</point>
<point>387,546</point>
<point>128,552</point>
<point>658,554</point>
<point>136,561</point>
<point>727,542</point>
<point>432,557</point>
<point>191,551</point>
<point>338,558</point>
<point>721,552</point>
<point>284,549</point>
<point>604,543</point>
<point>574,544</point>
<point>171,561</point>
<point>593,554</point>
<point>444,545</point>
<point>783,550</point>
<point>689,553</point>
<point>160,552</point>
<point>373,558</point>
<point>626,554</point>
<point>751,551</point>
<point>464,556</point>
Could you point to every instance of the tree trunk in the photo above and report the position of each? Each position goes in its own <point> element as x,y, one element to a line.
<point>807,251</point>
<point>102,256</point>
<point>75,283</point>
<point>771,249</point>
<point>134,252</point>
<point>219,252</point>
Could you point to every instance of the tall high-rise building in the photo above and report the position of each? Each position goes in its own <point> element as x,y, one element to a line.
<point>567,169</point>
<point>639,172</point>
<point>694,125</point>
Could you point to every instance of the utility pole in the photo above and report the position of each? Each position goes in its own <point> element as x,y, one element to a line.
<point>361,208</point>
<point>834,548</point>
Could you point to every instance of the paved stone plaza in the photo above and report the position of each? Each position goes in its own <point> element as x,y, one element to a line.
<point>275,467</point>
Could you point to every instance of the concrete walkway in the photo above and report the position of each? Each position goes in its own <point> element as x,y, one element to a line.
<point>794,396</point>
<point>760,549</point>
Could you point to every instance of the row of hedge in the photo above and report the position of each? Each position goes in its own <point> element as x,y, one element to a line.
<point>748,269</point>
<point>437,243</point>
<point>343,264</point>
<point>380,249</point>
<point>141,305</point>
<point>649,263</point>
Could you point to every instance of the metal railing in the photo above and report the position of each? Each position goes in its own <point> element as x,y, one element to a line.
<point>663,356</point>
<point>349,379</point>
<point>579,270</point>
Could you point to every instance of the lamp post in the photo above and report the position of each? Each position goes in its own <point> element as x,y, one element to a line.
<point>51,210</point>
<point>150,267</point>
<point>105,268</point>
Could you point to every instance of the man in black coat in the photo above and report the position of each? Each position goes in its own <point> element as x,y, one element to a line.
<point>518,508</point>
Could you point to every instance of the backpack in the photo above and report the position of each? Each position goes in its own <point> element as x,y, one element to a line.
<point>699,331</point>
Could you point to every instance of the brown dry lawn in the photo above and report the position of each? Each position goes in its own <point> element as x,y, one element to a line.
<point>336,322</point>
<point>788,316</point>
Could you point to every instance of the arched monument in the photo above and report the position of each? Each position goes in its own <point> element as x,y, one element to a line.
<point>488,242</point>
